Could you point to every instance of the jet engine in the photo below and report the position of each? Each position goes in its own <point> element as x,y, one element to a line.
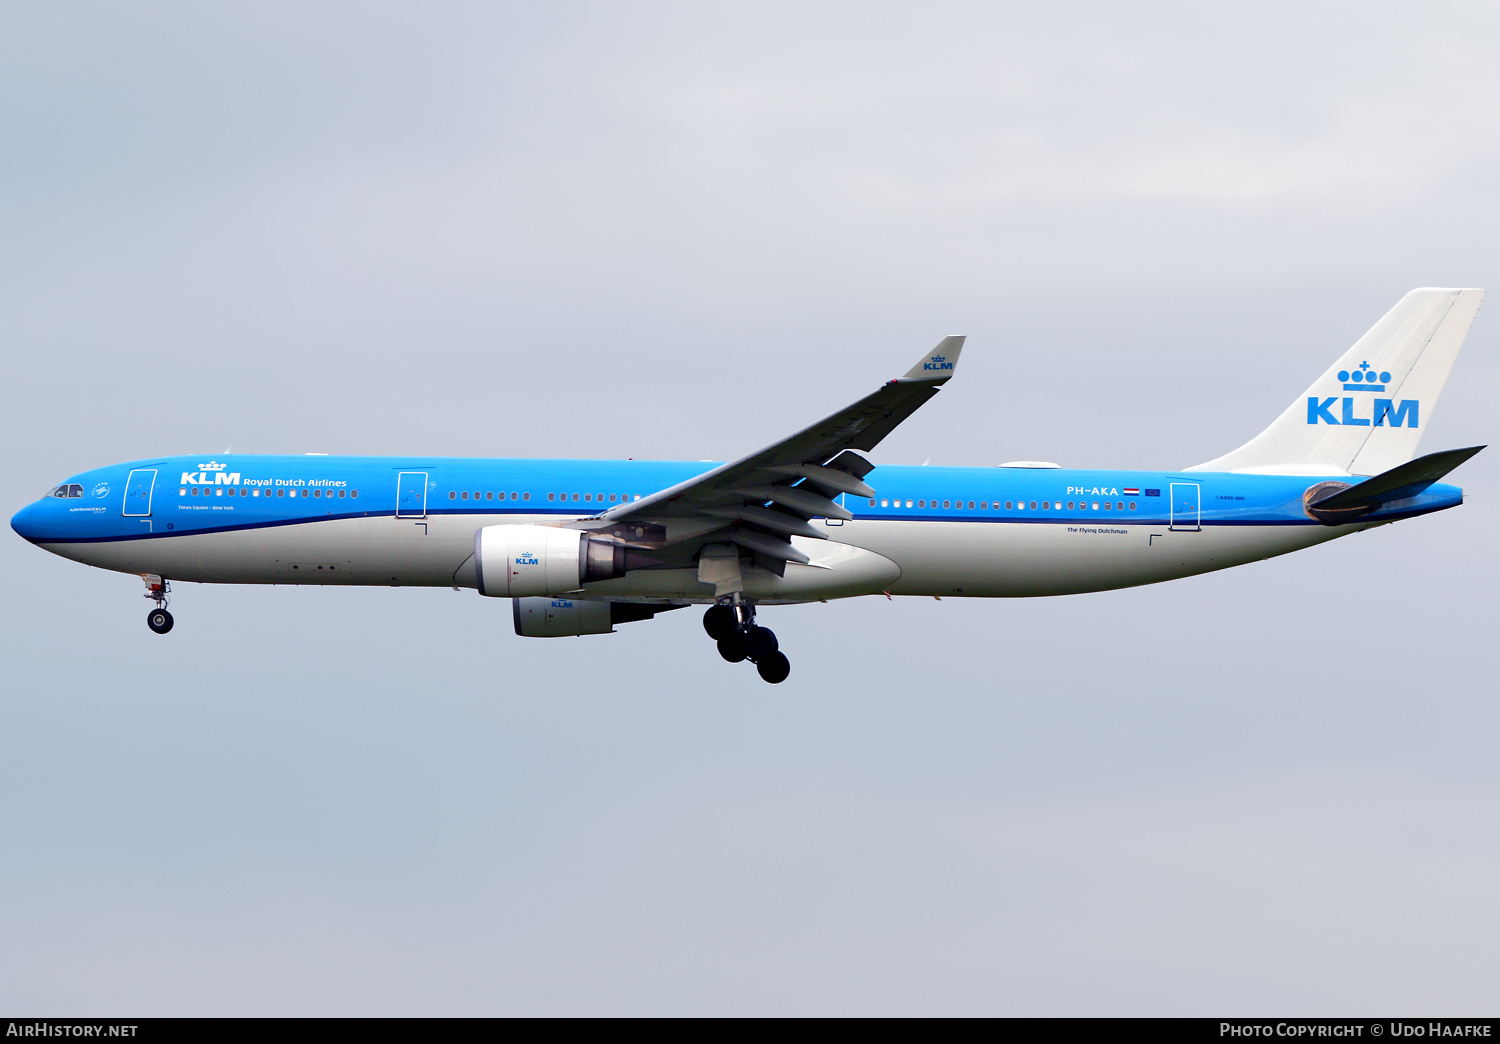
<point>530,561</point>
<point>569,617</point>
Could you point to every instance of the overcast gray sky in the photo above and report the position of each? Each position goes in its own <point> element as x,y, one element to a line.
<point>662,230</point>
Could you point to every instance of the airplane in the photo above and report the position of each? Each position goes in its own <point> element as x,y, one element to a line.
<point>580,546</point>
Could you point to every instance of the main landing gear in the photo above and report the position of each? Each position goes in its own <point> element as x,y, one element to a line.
<point>732,625</point>
<point>158,590</point>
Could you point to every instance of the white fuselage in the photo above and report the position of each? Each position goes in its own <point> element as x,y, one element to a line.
<point>946,558</point>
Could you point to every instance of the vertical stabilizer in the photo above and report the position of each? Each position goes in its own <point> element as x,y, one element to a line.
<point>1367,412</point>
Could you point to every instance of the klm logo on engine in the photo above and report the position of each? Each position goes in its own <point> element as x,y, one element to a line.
<point>937,362</point>
<point>1383,412</point>
<point>527,558</point>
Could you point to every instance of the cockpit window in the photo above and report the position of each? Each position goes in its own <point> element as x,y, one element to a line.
<point>65,491</point>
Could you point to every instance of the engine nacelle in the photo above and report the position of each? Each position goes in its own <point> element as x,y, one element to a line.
<point>570,617</point>
<point>530,561</point>
<point>560,617</point>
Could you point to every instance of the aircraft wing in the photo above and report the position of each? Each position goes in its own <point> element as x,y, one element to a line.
<point>770,495</point>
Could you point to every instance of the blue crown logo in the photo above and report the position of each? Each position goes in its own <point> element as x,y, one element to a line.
<point>1365,379</point>
<point>939,358</point>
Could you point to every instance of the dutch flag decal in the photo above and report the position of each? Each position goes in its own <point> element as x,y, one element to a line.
<point>1131,492</point>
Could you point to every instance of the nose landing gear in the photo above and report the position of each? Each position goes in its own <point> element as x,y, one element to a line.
<point>159,591</point>
<point>732,625</point>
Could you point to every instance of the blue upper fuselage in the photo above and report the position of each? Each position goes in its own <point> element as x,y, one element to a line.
<point>186,495</point>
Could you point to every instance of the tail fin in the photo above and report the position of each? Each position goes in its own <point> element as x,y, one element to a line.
<point>1364,416</point>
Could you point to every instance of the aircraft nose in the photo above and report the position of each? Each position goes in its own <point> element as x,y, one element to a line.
<point>27,522</point>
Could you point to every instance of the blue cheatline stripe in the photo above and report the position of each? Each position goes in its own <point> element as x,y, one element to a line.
<point>1135,523</point>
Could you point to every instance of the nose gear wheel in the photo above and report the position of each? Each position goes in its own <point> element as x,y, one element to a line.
<point>159,590</point>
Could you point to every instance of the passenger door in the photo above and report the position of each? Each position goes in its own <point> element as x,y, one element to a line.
<point>411,494</point>
<point>1185,506</point>
<point>138,488</point>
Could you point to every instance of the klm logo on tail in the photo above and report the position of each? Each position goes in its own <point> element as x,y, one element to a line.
<point>937,362</point>
<point>1364,379</point>
<point>1320,411</point>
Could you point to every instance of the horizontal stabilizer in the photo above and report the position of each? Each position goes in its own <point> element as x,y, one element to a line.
<point>1403,481</point>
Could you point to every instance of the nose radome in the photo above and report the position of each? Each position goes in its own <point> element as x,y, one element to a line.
<point>26,522</point>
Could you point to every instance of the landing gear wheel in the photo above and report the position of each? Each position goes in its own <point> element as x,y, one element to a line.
<point>760,642</point>
<point>774,668</point>
<point>732,647</point>
<point>159,620</point>
<point>718,621</point>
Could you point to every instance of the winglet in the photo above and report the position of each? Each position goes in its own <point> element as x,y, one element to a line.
<point>937,367</point>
